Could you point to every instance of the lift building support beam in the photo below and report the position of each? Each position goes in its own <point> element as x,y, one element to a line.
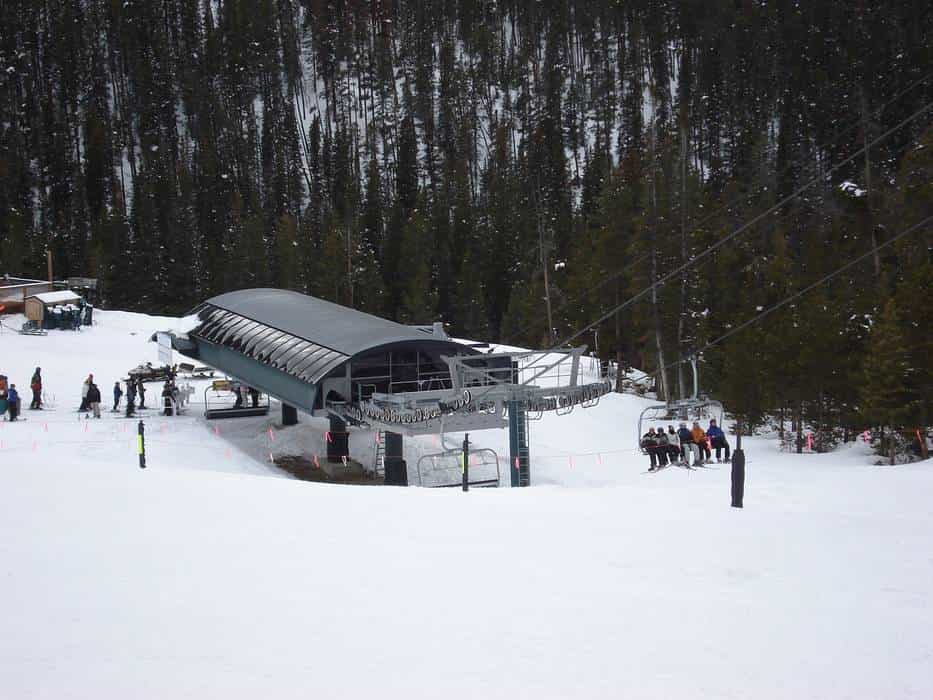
<point>519,465</point>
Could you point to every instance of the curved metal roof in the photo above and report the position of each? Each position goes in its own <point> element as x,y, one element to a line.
<point>298,334</point>
<point>339,328</point>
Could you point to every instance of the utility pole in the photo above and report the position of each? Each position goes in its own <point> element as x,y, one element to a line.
<point>683,256</point>
<point>543,251</point>
<point>656,316</point>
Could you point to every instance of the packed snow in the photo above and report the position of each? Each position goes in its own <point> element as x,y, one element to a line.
<point>213,574</point>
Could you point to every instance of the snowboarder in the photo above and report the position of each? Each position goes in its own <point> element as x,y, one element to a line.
<point>93,399</point>
<point>718,439</point>
<point>649,443</point>
<point>36,386</point>
<point>687,444</point>
<point>699,439</point>
<point>117,395</point>
<point>12,402</point>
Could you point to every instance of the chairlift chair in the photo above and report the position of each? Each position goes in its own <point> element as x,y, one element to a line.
<point>444,469</point>
<point>695,408</point>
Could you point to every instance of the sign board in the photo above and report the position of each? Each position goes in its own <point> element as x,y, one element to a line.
<point>164,341</point>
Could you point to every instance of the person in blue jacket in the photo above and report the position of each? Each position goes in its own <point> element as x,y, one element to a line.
<point>117,395</point>
<point>12,400</point>
<point>717,438</point>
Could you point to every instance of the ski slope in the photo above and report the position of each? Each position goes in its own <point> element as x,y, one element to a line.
<point>211,574</point>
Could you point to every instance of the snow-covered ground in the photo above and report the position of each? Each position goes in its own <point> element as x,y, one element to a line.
<point>211,574</point>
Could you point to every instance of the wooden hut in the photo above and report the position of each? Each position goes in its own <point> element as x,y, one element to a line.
<point>38,303</point>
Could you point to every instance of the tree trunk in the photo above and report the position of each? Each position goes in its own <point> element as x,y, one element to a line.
<point>876,259</point>
<point>799,420</point>
<point>662,370</point>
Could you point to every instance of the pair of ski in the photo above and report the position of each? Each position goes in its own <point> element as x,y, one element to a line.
<point>688,467</point>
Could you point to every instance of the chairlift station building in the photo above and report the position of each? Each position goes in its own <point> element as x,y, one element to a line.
<point>329,360</point>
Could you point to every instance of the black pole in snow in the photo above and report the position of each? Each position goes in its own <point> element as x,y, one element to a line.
<point>141,445</point>
<point>466,462</point>
<point>738,468</point>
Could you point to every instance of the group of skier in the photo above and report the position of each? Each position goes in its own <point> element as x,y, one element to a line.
<point>10,399</point>
<point>90,397</point>
<point>673,446</point>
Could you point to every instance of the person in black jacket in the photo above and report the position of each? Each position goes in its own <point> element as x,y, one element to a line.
<point>93,399</point>
<point>130,397</point>
<point>666,450</point>
<point>649,443</point>
<point>36,386</point>
<point>168,399</point>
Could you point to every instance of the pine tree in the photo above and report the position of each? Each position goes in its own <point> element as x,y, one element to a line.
<point>889,393</point>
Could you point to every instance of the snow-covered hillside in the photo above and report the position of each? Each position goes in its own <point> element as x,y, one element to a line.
<point>211,574</point>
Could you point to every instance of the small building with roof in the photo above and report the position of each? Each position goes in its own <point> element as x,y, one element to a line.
<point>38,304</point>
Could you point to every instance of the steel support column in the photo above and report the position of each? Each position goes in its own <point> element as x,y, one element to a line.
<point>519,463</point>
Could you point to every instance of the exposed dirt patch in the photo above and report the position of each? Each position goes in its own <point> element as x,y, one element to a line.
<point>329,473</point>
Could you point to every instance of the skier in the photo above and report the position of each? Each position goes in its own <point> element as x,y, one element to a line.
<point>238,392</point>
<point>167,399</point>
<point>699,439</point>
<point>718,439</point>
<point>117,395</point>
<point>649,443</point>
<point>93,399</point>
<point>12,401</point>
<point>130,398</point>
<point>686,443</point>
<point>660,449</point>
<point>84,390</point>
<point>253,396</point>
<point>666,451</point>
<point>36,386</point>
<point>141,389</point>
<point>3,395</point>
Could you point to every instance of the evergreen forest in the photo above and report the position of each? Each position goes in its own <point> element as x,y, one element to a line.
<point>526,171</point>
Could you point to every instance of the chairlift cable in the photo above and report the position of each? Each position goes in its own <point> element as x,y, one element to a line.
<point>799,293</point>
<point>739,231</point>
<point>806,163</point>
